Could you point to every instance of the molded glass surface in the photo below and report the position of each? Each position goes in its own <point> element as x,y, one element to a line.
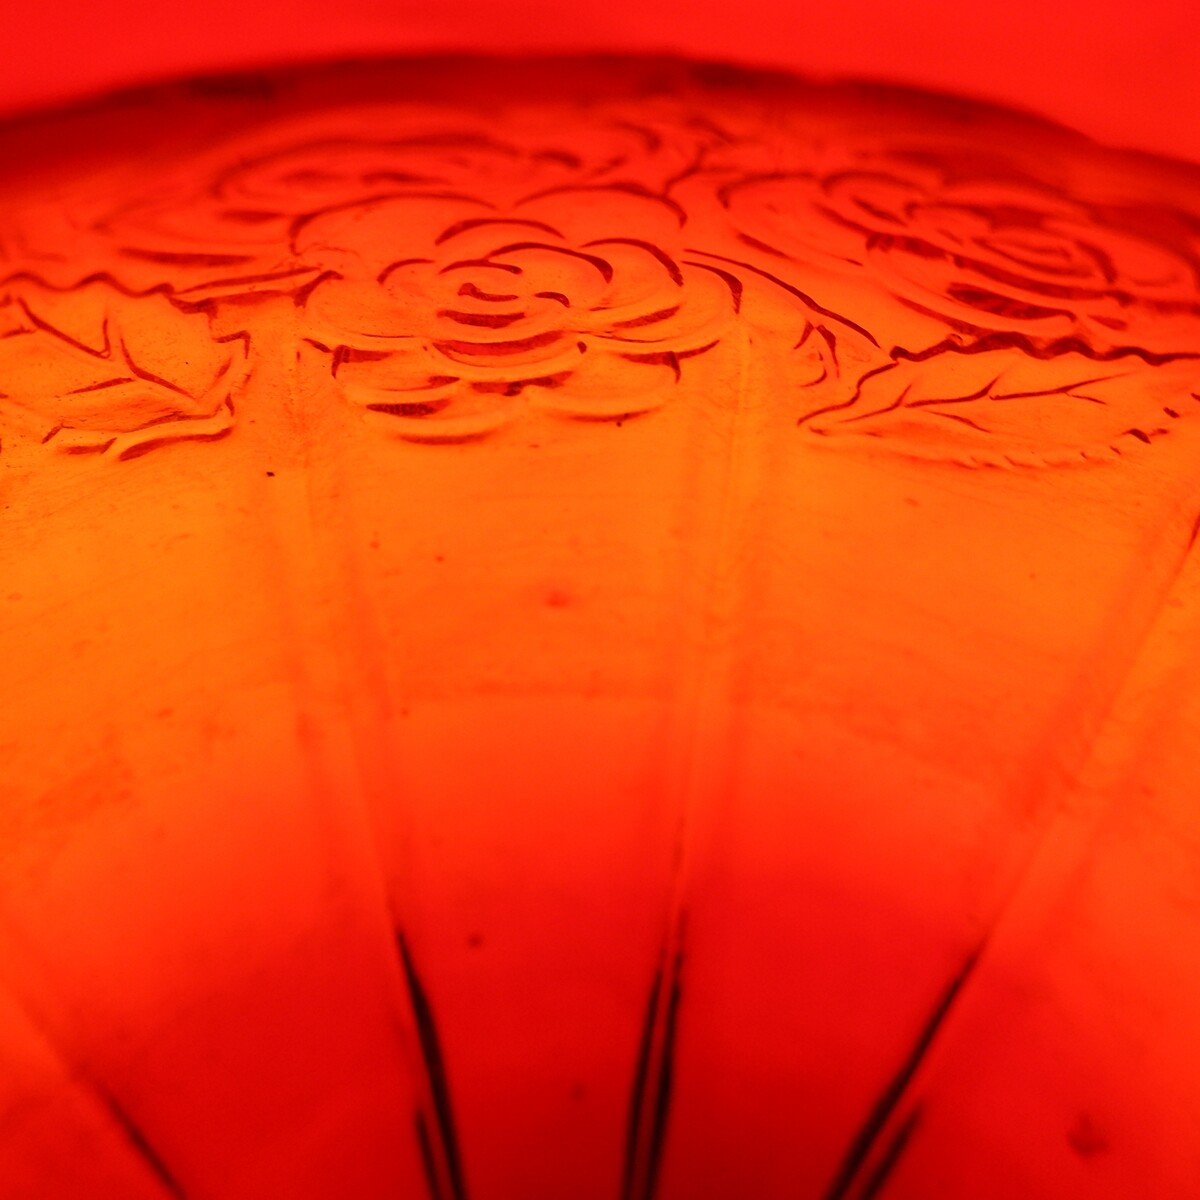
<point>595,629</point>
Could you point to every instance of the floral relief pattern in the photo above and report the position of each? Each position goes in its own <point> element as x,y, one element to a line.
<point>446,281</point>
<point>233,235</point>
<point>450,278</point>
<point>553,303</point>
<point>1036,324</point>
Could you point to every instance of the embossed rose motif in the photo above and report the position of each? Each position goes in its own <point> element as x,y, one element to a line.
<point>232,234</point>
<point>450,315</point>
<point>989,255</point>
<point>1007,255</point>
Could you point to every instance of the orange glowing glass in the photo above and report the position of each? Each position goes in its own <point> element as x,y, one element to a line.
<point>599,629</point>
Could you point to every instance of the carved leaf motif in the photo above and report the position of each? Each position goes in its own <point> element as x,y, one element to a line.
<point>91,369</point>
<point>1003,407</point>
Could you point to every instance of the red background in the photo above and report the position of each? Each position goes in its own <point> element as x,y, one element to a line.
<point>1125,73</point>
